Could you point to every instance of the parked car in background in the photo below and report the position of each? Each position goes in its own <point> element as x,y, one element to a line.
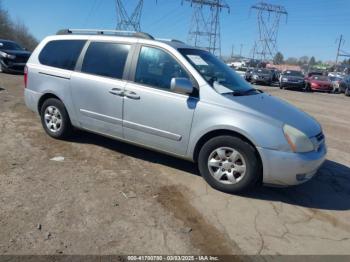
<point>167,96</point>
<point>261,76</point>
<point>275,74</point>
<point>13,57</point>
<point>344,85</point>
<point>336,74</point>
<point>335,82</point>
<point>239,65</point>
<point>318,83</point>
<point>248,74</point>
<point>292,79</point>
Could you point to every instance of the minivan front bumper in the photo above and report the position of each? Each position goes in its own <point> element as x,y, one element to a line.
<point>287,168</point>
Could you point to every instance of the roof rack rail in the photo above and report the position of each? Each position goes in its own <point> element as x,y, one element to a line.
<point>170,40</point>
<point>104,32</point>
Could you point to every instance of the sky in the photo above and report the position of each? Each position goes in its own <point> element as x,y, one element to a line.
<point>312,27</point>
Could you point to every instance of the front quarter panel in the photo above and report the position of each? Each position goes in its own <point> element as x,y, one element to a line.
<point>210,117</point>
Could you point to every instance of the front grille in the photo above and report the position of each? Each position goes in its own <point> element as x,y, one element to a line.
<point>21,59</point>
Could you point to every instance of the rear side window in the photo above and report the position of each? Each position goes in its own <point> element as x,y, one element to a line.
<point>61,53</point>
<point>106,59</point>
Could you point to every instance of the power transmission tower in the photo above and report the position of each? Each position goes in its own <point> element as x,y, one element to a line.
<point>341,52</point>
<point>126,22</point>
<point>205,25</point>
<point>269,17</point>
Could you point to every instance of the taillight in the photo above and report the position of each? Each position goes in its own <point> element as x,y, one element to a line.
<point>25,76</point>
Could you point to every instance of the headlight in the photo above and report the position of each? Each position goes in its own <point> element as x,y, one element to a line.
<point>255,76</point>
<point>4,55</point>
<point>298,141</point>
<point>284,79</point>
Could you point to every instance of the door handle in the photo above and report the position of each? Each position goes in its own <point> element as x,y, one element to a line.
<point>117,91</point>
<point>132,95</point>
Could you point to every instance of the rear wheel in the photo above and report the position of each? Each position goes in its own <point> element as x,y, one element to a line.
<point>229,164</point>
<point>55,119</point>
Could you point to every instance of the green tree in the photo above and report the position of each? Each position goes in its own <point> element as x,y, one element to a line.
<point>292,61</point>
<point>312,61</point>
<point>15,31</point>
<point>303,60</point>
<point>278,59</point>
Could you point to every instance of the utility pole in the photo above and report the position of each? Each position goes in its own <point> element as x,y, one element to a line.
<point>268,17</point>
<point>232,53</point>
<point>338,51</point>
<point>205,25</point>
<point>128,22</point>
<point>240,52</point>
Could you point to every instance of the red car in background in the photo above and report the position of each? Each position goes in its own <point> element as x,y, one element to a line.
<point>318,83</point>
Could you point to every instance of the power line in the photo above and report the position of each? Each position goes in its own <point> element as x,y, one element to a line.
<point>205,24</point>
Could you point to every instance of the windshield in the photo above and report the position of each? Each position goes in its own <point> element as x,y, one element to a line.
<point>293,73</point>
<point>334,78</point>
<point>214,71</point>
<point>320,78</point>
<point>7,45</point>
<point>262,71</point>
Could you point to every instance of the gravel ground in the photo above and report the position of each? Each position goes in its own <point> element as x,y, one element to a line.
<point>107,197</point>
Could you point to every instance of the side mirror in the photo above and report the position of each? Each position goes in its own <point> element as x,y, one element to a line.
<point>181,85</point>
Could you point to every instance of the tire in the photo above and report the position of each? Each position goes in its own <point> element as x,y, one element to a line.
<point>229,181</point>
<point>347,91</point>
<point>54,110</point>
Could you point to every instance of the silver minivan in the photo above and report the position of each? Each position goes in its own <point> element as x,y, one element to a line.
<point>173,98</point>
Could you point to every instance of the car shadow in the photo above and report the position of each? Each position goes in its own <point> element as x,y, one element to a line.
<point>329,189</point>
<point>134,151</point>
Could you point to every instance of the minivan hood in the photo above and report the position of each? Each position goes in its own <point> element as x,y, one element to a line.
<point>267,106</point>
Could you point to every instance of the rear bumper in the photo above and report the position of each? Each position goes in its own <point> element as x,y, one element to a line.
<point>31,99</point>
<point>288,169</point>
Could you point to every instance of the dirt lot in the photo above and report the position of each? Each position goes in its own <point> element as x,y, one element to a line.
<point>108,197</point>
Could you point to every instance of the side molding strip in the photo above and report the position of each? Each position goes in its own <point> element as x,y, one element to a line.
<point>152,131</point>
<point>101,117</point>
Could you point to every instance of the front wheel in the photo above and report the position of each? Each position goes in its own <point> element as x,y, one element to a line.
<point>55,119</point>
<point>229,164</point>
